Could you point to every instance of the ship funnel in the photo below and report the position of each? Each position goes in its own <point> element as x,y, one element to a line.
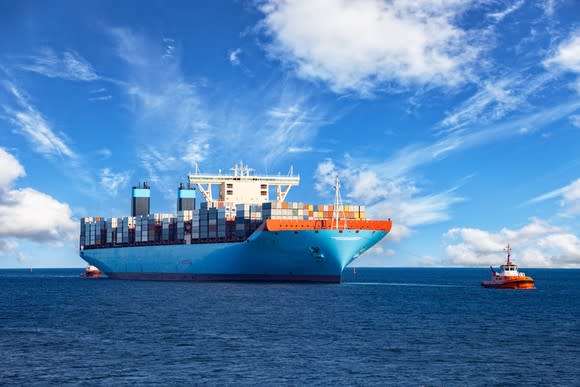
<point>141,200</point>
<point>185,197</point>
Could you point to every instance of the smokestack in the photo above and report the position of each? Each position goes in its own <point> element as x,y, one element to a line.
<point>141,200</point>
<point>185,198</point>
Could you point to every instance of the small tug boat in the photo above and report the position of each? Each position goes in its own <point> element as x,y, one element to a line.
<point>508,276</point>
<point>91,272</point>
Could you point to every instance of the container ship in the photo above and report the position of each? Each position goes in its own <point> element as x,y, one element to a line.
<point>242,235</point>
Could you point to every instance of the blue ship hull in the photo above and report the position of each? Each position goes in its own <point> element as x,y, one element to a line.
<point>294,256</point>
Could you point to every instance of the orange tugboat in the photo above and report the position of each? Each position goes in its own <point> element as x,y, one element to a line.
<point>508,276</point>
<point>91,272</point>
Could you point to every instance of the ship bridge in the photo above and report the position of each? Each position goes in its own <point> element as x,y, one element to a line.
<point>243,186</point>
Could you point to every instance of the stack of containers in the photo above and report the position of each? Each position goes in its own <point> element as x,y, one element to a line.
<point>203,223</point>
<point>85,231</point>
<point>212,223</point>
<point>99,231</point>
<point>248,218</point>
<point>139,228</point>
<point>164,225</point>
<point>165,229</point>
<point>111,230</point>
<point>128,222</point>
<point>256,213</point>
<point>180,226</point>
<point>119,231</point>
<point>183,218</point>
<point>221,222</point>
<point>271,210</point>
<point>299,211</point>
<point>82,233</point>
<point>92,229</point>
<point>284,210</point>
<point>195,224</point>
<point>151,222</point>
<point>230,211</point>
<point>242,220</point>
<point>123,230</point>
<point>129,234</point>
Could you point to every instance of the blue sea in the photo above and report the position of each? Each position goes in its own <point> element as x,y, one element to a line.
<point>416,327</point>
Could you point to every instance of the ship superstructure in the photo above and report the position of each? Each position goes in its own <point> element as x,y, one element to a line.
<point>243,187</point>
<point>240,235</point>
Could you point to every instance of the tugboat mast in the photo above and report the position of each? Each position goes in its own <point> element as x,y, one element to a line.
<point>509,250</point>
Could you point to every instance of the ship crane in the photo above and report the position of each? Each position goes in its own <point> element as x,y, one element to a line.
<point>243,186</point>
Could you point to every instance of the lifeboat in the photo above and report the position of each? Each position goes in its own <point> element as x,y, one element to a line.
<point>91,272</point>
<point>508,276</point>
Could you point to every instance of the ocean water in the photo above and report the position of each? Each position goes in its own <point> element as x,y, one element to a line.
<point>416,327</point>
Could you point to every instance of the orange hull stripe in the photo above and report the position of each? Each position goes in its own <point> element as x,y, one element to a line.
<point>327,224</point>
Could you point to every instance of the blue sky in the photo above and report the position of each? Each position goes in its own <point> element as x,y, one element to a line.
<point>459,120</point>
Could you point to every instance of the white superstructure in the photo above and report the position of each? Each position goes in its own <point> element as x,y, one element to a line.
<point>243,186</point>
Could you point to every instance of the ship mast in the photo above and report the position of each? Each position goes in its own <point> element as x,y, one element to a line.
<point>509,250</point>
<point>337,204</point>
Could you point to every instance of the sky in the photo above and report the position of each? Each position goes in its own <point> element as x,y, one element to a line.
<point>459,120</point>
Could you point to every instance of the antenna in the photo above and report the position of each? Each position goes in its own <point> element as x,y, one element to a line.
<point>291,170</point>
<point>509,250</point>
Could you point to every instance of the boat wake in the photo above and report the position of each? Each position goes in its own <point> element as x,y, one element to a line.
<point>407,284</point>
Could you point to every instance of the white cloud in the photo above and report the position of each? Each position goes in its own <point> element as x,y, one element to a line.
<point>30,122</point>
<point>416,155</point>
<point>195,153</point>
<point>499,16</point>
<point>325,176</point>
<point>493,101</point>
<point>567,56</point>
<point>10,170</point>
<point>101,98</point>
<point>234,56</point>
<point>29,214</point>
<point>569,196</point>
<point>537,244</point>
<point>549,7</point>
<point>172,113</point>
<point>169,47</point>
<point>111,182</point>
<point>104,153</point>
<point>7,244</point>
<point>575,120</point>
<point>300,149</point>
<point>169,112</point>
<point>384,196</point>
<point>289,128</point>
<point>387,189</point>
<point>363,44</point>
<point>70,66</point>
